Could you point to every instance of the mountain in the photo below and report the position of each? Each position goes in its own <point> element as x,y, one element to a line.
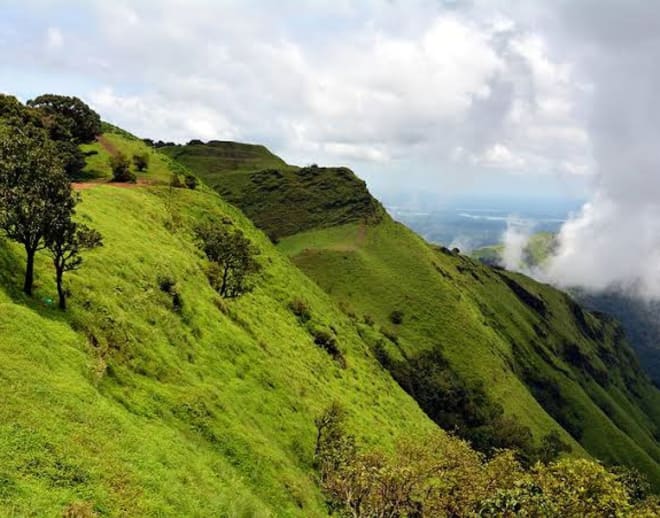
<point>438,320</point>
<point>638,316</point>
<point>153,395</point>
<point>150,406</point>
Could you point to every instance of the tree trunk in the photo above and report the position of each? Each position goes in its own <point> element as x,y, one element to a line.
<point>223,288</point>
<point>29,272</point>
<point>60,289</point>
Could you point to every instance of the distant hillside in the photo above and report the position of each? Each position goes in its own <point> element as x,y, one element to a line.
<point>638,317</point>
<point>281,199</point>
<point>520,344</point>
<point>537,249</point>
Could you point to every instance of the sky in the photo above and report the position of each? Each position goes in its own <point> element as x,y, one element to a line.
<point>521,98</point>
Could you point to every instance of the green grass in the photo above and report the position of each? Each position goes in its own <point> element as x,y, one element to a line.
<point>280,199</point>
<point>143,411</point>
<point>489,333</point>
<point>160,170</point>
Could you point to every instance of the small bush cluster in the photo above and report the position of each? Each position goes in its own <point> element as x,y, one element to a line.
<point>326,341</point>
<point>300,309</point>
<point>121,169</point>
<point>439,475</point>
<point>184,181</point>
<point>141,161</point>
<point>168,285</point>
<point>396,317</point>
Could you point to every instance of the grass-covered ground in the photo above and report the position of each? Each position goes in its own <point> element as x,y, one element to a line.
<point>280,199</point>
<point>534,351</point>
<point>132,407</point>
<point>547,362</point>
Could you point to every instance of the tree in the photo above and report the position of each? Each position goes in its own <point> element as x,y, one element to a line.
<point>71,116</point>
<point>65,241</point>
<point>232,259</point>
<point>121,168</point>
<point>33,191</point>
<point>141,161</point>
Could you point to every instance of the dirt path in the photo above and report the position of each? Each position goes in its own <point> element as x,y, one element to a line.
<point>361,235</point>
<point>107,145</point>
<point>82,186</point>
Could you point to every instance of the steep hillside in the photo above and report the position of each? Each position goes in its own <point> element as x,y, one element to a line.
<point>442,323</point>
<point>281,199</point>
<point>638,316</point>
<point>134,404</point>
<point>545,360</point>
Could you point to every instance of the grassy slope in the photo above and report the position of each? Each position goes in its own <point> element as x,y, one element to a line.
<point>637,316</point>
<point>489,333</point>
<point>145,411</point>
<point>281,199</point>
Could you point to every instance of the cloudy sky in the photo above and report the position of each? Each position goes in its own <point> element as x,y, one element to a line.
<point>529,98</point>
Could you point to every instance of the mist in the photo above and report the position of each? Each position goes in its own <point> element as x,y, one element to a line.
<point>515,239</point>
<point>614,241</point>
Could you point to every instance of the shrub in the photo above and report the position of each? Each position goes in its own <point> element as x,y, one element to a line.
<point>326,341</point>
<point>141,161</point>
<point>396,317</point>
<point>300,308</point>
<point>168,285</point>
<point>79,510</point>
<point>438,475</point>
<point>121,168</point>
<point>191,181</point>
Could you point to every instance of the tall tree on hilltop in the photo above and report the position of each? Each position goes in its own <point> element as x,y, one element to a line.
<point>73,118</point>
<point>33,191</point>
<point>69,122</point>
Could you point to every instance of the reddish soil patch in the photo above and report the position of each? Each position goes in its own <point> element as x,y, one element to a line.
<point>361,235</point>
<point>81,186</point>
<point>107,145</point>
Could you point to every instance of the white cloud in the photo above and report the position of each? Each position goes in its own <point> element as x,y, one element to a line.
<point>387,84</point>
<point>54,38</point>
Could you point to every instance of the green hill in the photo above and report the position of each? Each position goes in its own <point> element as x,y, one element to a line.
<point>637,315</point>
<point>282,200</point>
<point>501,338</point>
<point>144,408</point>
<point>154,396</point>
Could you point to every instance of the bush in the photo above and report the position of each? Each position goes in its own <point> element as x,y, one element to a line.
<point>191,181</point>
<point>121,168</point>
<point>396,317</point>
<point>438,475</point>
<point>327,342</point>
<point>168,285</point>
<point>300,308</point>
<point>141,161</point>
